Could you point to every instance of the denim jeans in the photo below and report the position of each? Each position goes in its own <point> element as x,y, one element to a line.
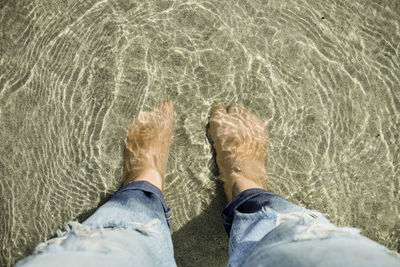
<point>266,230</point>
<point>133,229</point>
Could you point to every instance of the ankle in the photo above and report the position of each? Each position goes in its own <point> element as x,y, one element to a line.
<point>238,183</point>
<point>149,175</point>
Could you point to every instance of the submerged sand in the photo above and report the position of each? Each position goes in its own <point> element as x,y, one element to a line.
<point>74,74</point>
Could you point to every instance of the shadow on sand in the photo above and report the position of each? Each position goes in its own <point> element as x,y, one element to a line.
<point>203,241</point>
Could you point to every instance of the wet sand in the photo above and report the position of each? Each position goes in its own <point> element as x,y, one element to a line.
<point>74,74</point>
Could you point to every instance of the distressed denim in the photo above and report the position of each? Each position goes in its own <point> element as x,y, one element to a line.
<point>266,230</point>
<point>131,229</point>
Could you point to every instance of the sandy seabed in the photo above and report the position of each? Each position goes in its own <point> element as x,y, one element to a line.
<point>74,74</point>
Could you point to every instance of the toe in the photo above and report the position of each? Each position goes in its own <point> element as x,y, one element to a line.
<point>243,110</point>
<point>214,124</point>
<point>166,107</point>
<point>265,125</point>
<point>233,108</point>
<point>217,109</point>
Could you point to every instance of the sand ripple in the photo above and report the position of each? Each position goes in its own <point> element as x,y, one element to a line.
<point>73,75</point>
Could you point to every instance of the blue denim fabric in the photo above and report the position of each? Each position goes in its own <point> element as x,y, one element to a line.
<point>267,230</point>
<point>131,229</point>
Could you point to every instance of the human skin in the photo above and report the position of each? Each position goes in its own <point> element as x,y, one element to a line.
<point>240,141</point>
<point>239,138</point>
<point>147,146</point>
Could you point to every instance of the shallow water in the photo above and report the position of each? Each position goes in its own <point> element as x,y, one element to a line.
<point>74,74</point>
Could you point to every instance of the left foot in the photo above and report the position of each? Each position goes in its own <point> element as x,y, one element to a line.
<point>147,146</point>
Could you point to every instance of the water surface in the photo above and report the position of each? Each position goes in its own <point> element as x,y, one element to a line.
<point>74,74</point>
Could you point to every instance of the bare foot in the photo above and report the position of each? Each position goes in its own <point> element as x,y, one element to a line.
<point>240,142</point>
<point>147,146</point>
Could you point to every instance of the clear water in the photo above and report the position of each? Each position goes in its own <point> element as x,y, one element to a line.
<point>74,74</point>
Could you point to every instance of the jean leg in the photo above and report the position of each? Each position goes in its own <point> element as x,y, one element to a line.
<point>265,229</point>
<point>131,229</point>
<point>138,202</point>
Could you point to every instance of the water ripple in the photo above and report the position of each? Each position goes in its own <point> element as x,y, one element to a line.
<point>325,75</point>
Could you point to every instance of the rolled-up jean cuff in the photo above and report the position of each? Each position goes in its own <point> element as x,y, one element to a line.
<point>148,187</point>
<point>242,198</point>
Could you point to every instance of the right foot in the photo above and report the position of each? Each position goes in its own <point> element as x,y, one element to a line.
<point>240,142</point>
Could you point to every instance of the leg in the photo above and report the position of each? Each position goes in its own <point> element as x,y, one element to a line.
<point>133,227</point>
<point>264,228</point>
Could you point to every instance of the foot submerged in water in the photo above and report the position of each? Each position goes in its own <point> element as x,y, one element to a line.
<point>240,142</point>
<point>147,146</point>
